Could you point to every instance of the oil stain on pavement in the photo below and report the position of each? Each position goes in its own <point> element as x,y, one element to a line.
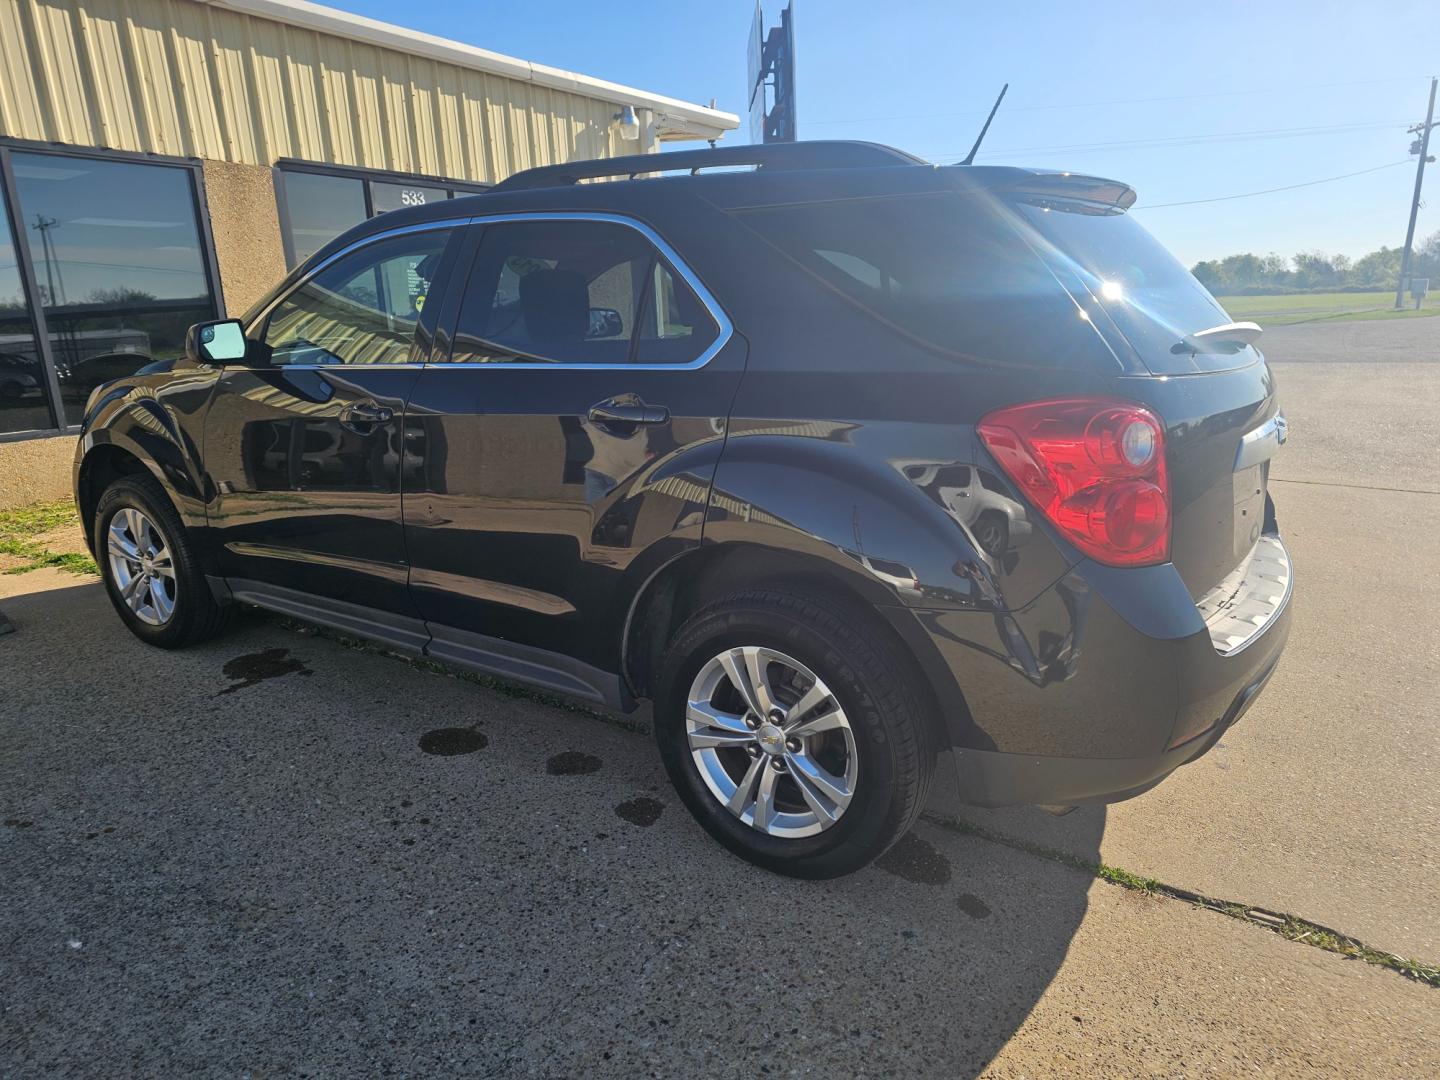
<point>973,906</point>
<point>916,860</point>
<point>643,811</point>
<point>572,763</point>
<point>255,668</point>
<point>452,741</point>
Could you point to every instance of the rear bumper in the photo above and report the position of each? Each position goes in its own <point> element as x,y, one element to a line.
<point>1105,685</point>
<point>988,778</point>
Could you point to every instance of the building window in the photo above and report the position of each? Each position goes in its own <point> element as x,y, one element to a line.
<point>24,394</point>
<point>319,203</point>
<point>120,271</point>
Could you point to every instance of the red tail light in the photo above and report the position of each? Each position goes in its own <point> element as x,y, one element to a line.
<point>1095,467</point>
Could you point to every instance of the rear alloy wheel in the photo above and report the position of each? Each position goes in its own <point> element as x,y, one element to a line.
<point>771,742</point>
<point>791,727</point>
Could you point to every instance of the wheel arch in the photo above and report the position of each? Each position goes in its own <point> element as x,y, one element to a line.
<point>694,578</point>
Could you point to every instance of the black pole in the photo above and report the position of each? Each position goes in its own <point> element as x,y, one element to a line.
<point>1415,201</point>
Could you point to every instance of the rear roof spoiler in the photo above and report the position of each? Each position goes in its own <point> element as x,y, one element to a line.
<point>1073,186</point>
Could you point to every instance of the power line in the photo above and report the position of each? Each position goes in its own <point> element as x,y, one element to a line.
<point>1114,101</point>
<point>1271,191</point>
<point>1197,139</point>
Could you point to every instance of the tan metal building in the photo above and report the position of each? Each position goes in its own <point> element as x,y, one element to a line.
<point>164,161</point>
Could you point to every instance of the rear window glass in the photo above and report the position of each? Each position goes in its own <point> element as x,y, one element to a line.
<point>1152,298</point>
<point>951,271</point>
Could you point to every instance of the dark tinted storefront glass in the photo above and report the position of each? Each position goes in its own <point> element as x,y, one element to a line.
<point>118,261</point>
<point>385,197</point>
<point>23,395</point>
<point>320,208</point>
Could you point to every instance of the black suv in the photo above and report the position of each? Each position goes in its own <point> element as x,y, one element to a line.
<point>842,460</point>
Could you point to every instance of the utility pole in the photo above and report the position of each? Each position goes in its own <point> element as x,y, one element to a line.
<point>1424,140</point>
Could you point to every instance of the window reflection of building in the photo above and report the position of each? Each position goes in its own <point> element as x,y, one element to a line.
<point>120,269</point>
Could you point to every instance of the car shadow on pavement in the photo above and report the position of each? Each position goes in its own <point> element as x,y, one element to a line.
<point>320,872</point>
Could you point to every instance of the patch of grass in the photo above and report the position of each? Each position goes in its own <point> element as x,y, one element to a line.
<point>22,528</point>
<point>1326,307</point>
<point>1290,927</point>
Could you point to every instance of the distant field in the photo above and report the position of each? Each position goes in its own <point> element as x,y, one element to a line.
<point>1314,307</point>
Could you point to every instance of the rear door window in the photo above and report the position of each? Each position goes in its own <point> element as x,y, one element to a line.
<point>951,271</point>
<point>577,292</point>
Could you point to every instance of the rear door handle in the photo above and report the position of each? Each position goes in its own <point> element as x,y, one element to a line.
<point>611,412</point>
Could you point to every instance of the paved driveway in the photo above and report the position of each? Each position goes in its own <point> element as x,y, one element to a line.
<point>258,857</point>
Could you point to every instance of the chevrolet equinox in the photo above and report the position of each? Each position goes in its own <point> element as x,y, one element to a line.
<point>842,460</point>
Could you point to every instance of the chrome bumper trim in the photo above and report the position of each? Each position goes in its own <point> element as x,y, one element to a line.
<point>1249,599</point>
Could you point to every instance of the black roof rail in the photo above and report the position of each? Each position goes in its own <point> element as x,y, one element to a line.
<point>830,154</point>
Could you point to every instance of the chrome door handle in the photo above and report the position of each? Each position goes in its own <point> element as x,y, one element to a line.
<point>362,416</point>
<point>611,412</point>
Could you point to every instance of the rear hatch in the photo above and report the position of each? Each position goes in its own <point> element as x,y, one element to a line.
<point>1210,390</point>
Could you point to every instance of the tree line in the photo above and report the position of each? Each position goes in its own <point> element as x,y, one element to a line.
<point>1315,271</point>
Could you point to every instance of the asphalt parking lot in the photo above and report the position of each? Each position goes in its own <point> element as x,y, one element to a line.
<point>279,855</point>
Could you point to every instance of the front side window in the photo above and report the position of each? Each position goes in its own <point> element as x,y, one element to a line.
<point>577,292</point>
<point>361,309</point>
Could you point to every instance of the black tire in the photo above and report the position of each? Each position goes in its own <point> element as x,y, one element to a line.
<point>868,675</point>
<point>196,616</point>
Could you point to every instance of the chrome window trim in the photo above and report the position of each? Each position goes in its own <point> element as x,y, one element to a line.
<point>726,329</point>
<point>373,238</point>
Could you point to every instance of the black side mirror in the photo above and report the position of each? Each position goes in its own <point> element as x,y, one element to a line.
<point>221,342</point>
<point>605,323</point>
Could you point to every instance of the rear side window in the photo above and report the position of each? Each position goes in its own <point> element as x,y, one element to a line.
<point>951,271</point>
<point>1154,300</point>
<point>577,292</point>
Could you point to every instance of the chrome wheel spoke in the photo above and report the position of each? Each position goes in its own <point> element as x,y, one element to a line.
<point>810,774</point>
<point>120,545</point>
<point>744,797</point>
<point>764,798</point>
<point>160,600</point>
<point>703,714</point>
<point>135,591</point>
<point>163,566</point>
<point>737,667</point>
<point>810,700</point>
<point>830,720</point>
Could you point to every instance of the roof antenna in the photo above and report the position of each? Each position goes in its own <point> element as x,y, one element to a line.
<point>970,157</point>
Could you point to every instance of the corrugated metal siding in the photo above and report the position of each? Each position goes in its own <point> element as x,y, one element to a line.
<point>187,79</point>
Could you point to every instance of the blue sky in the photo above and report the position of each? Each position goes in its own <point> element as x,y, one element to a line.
<point>1292,91</point>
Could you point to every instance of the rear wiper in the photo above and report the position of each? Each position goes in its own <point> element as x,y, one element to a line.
<point>1226,338</point>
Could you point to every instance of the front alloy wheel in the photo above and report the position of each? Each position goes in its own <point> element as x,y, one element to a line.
<point>771,742</point>
<point>141,566</point>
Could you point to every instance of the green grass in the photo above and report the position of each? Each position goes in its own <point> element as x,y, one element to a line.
<point>20,530</point>
<point>1325,307</point>
<point>1290,927</point>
